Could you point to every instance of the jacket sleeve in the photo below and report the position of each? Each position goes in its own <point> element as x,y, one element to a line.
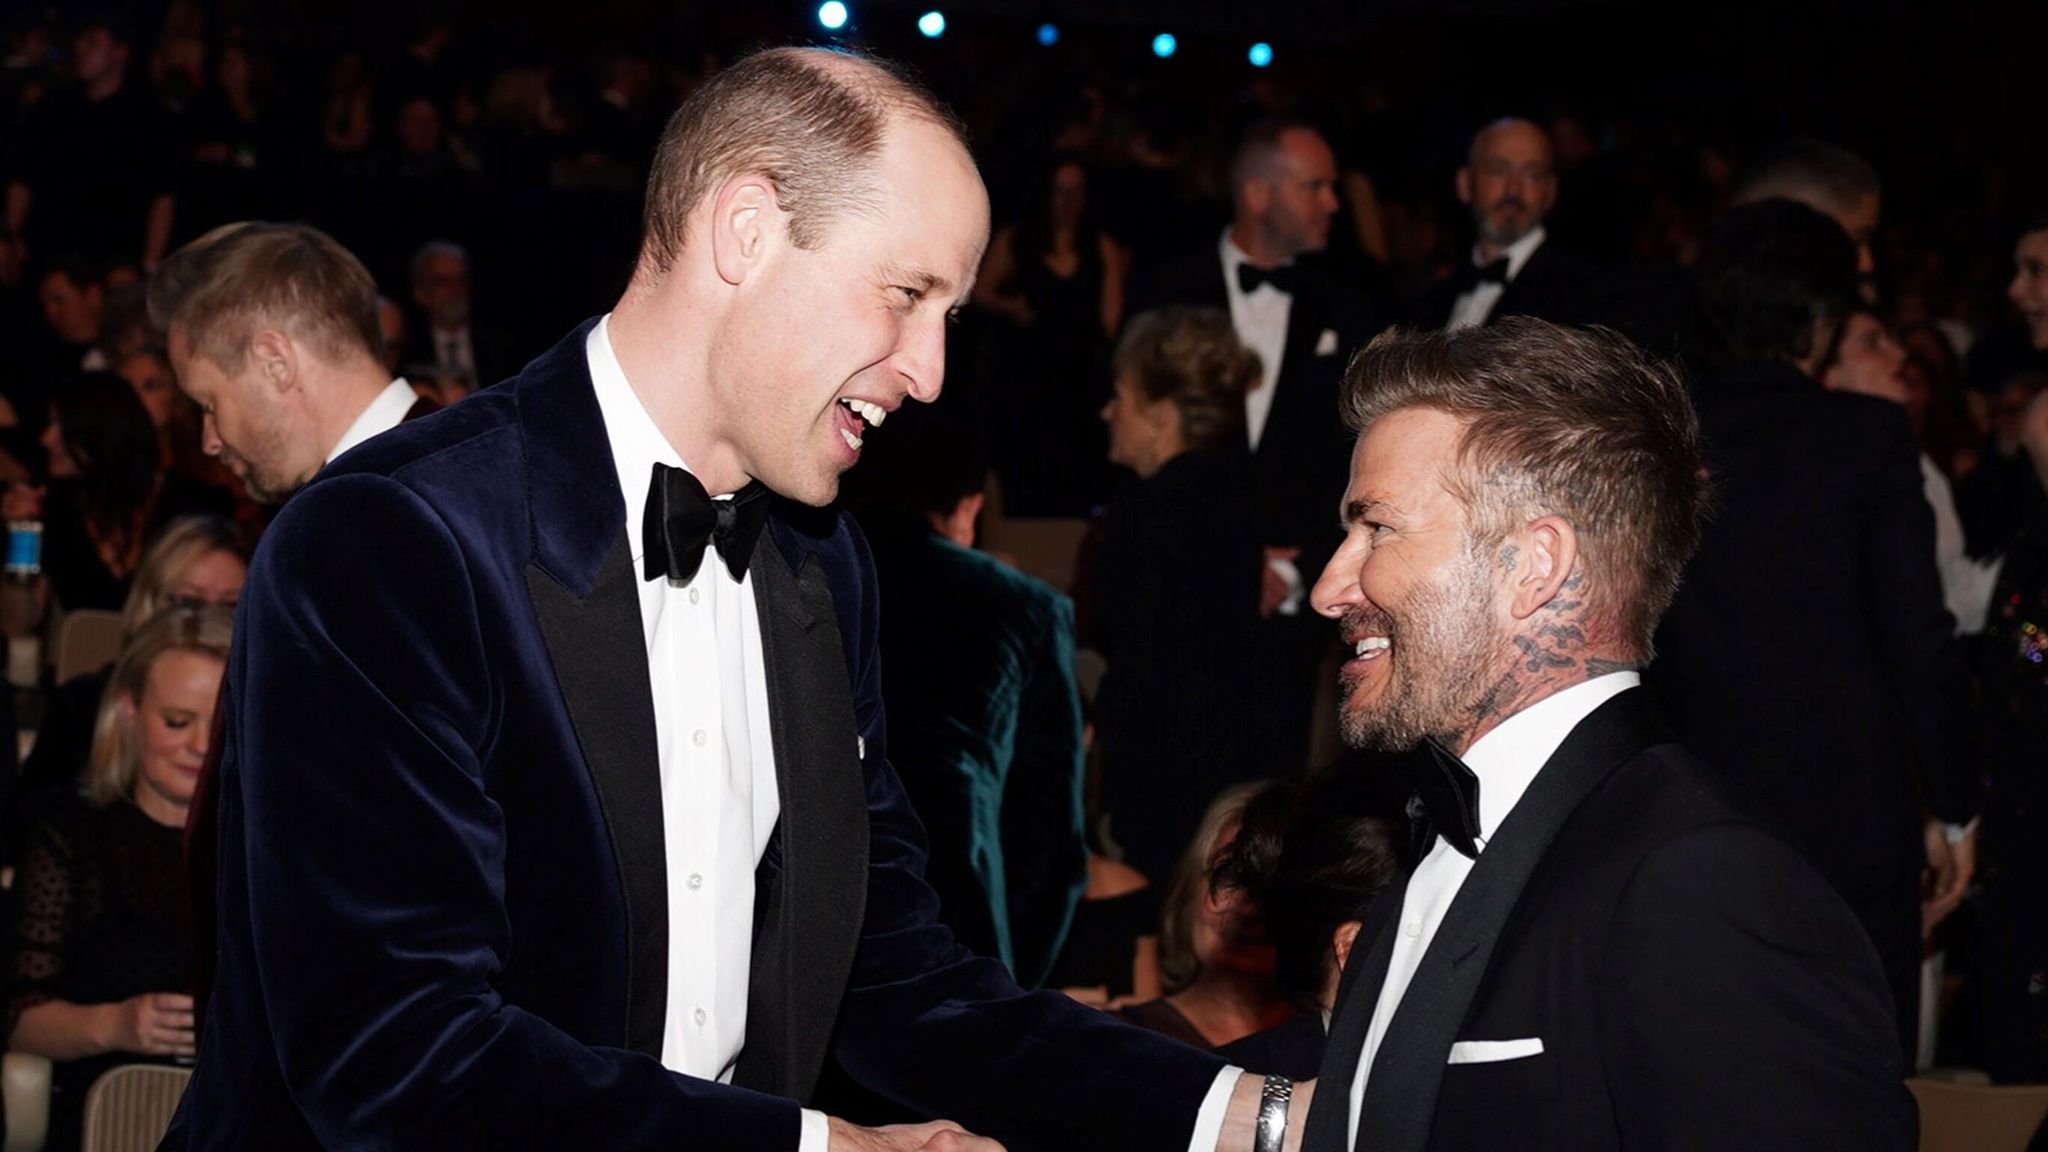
<point>359,697</point>
<point>944,1033</point>
<point>1916,637</point>
<point>1045,857</point>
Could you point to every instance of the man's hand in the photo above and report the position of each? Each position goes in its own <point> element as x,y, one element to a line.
<point>1241,1117</point>
<point>937,1136</point>
<point>1949,868</point>
<point>1275,590</point>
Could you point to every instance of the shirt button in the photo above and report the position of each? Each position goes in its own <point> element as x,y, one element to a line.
<point>698,737</point>
<point>699,1016</point>
<point>695,881</point>
<point>1412,929</point>
<point>693,595</point>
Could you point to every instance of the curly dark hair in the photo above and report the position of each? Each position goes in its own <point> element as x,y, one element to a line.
<point>1311,854</point>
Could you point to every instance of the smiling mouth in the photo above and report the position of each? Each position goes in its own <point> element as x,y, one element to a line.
<point>1371,647</point>
<point>856,417</point>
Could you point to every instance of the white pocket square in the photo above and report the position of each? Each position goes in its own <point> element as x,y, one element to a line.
<point>1494,1051</point>
<point>1326,344</point>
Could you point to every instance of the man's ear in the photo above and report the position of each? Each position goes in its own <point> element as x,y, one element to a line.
<point>1464,183</point>
<point>1544,553</point>
<point>276,359</point>
<point>743,215</point>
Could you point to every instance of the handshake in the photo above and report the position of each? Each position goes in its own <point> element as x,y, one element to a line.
<point>1254,1121</point>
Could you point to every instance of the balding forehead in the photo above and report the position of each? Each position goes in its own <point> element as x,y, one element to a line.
<point>1510,131</point>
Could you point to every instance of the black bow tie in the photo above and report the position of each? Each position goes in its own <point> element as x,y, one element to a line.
<point>681,518</point>
<point>1494,273</point>
<point>1250,276</point>
<point>1446,801</point>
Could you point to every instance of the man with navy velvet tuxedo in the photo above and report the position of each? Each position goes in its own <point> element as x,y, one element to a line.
<point>1601,943</point>
<point>555,809</point>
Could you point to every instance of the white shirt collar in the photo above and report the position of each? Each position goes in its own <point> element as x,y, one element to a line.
<point>383,414</point>
<point>1232,257</point>
<point>637,444</point>
<point>1517,253</point>
<point>1508,758</point>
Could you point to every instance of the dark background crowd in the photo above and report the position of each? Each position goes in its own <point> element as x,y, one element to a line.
<point>486,164</point>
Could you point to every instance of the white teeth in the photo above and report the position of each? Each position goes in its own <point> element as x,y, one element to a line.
<point>1372,646</point>
<point>868,410</point>
<point>852,441</point>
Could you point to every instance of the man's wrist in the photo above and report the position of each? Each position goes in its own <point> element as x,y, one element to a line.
<point>1275,1095</point>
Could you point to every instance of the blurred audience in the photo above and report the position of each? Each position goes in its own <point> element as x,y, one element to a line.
<point>98,947</point>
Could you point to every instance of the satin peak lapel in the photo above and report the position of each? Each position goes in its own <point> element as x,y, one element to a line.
<point>808,911</point>
<point>600,658</point>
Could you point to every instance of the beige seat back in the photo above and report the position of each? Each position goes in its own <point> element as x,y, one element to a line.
<point>130,1107</point>
<point>1977,1117</point>
<point>87,641</point>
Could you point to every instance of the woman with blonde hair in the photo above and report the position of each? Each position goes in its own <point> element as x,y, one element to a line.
<point>98,953</point>
<point>195,560</point>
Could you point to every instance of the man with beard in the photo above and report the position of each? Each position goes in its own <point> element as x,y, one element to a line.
<point>1600,945</point>
<point>1510,182</point>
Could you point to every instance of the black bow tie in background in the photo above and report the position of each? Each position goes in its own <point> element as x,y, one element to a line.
<point>1446,801</point>
<point>682,518</point>
<point>1250,276</point>
<point>1494,273</point>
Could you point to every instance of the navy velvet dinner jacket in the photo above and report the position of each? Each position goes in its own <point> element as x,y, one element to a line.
<point>441,885</point>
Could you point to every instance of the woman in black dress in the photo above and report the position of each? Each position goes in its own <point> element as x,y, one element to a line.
<point>1055,283</point>
<point>99,948</point>
<point>1178,584</point>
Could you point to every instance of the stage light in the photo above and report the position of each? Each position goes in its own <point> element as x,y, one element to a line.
<point>832,14</point>
<point>1048,34</point>
<point>1261,54</point>
<point>932,24</point>
<point>1164,45</point>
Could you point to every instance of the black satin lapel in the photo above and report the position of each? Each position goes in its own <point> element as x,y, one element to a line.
<point>809,908</point>
<point>1358,993</point>
<point>1400,1096</point>
<point>599,651</point>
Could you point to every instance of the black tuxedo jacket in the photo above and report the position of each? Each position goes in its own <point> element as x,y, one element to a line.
<point>1693,982</point>
<point>498,354</point>
<point>1808,653</point>
<point>1304,455</point>
<point>442,888</point>
<point>1555,284</point>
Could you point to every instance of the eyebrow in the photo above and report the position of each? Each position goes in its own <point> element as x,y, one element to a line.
<point>1369,508</point>
<point>926,282</point>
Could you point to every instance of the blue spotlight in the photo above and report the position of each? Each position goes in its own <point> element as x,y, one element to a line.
<point>832,14</point>
<point>932,24</point>
<point>1260,55</point>
<point>1048,34</point>
<point>1164,45</point>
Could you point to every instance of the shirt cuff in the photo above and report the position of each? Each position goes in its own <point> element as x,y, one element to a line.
<point>1288,572</point>
<point>816,1133</point>
<point>1209,1120</point>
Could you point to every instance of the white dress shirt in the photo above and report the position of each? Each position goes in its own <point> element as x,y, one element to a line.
<point>1260,318</point>
<point>1966,582</point>
<point>1472,307</point>
<point>386,412</point>
<point>1506,760</point>
<point>719,801</point>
